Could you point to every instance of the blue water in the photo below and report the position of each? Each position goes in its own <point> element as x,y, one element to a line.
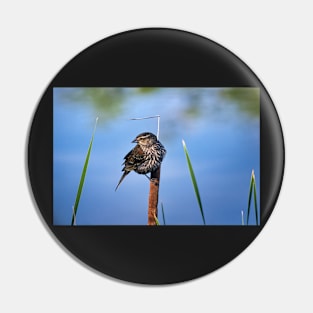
<point>222,140</point>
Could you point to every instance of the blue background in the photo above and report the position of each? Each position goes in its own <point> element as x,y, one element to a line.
<point>221,128</point>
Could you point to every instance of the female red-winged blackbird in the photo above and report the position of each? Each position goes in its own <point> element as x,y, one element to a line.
<point>146,157</point>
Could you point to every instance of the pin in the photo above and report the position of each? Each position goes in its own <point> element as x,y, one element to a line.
<point>207,136</point>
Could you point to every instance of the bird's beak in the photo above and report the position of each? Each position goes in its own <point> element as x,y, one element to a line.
<point>135,141</point>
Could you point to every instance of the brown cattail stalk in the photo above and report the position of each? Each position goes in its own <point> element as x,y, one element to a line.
<point>153,196</point>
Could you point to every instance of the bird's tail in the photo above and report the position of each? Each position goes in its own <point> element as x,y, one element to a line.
<point>123,176</point>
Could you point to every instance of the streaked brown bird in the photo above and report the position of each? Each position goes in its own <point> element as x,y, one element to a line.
<point>146,156</point>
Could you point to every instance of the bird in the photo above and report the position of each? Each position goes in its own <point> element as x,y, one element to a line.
<point>145,157</point>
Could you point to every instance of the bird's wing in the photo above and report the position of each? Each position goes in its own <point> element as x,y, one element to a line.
<point>133,158</point>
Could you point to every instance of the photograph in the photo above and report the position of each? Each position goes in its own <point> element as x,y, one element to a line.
<point>159,156</point>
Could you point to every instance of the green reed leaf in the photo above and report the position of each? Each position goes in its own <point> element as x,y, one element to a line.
<point>194,181</point>
<point>82,178</point>
<point>250,196</point>
<point>255,201</point>
<point>163,215</point>
<point>156,220</point>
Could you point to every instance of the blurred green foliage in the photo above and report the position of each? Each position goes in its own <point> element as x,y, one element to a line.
<point>247,99</point>
<point>194,103</point>
<point>109,102</point>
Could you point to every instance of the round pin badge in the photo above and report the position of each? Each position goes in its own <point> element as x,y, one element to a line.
<point>155,156</point>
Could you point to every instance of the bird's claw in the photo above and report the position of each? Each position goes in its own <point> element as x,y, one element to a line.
<point>155,181</point>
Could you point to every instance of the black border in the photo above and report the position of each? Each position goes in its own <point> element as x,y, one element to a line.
<point>158,58</point>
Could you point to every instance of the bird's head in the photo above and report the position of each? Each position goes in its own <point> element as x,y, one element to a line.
<point>145,139</point>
